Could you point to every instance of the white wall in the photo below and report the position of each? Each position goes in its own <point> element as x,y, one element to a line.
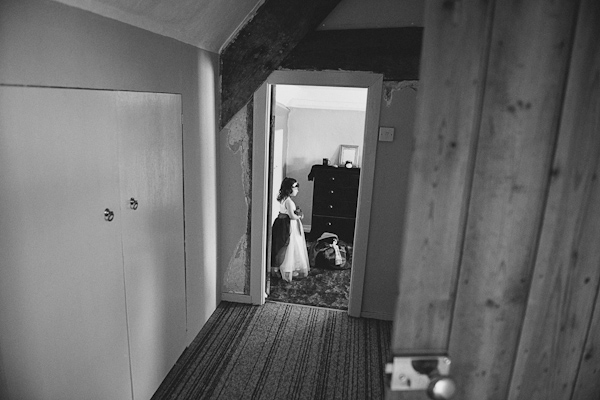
<point>389,200</point>
<point>315,134</point>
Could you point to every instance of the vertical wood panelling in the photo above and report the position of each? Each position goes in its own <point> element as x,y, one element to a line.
<point>565,279</point>
<point>566,274</point>
<point>450,95</point>
<point>582,110</point>
<point>529,51</point>
<point>587,385</point>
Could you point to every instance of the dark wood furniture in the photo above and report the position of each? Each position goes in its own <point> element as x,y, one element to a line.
<point>335,197</point>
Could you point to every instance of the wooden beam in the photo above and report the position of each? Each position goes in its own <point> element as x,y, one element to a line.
<point>261,46</point>
<point>393,52</point>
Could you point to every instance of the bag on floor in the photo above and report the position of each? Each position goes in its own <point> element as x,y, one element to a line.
<point>328,252</point>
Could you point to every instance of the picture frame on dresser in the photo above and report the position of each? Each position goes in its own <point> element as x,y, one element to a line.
<point>348,153</point>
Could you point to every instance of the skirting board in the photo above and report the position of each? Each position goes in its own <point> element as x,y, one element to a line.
<point>376,315</point>
<point>236,298</point>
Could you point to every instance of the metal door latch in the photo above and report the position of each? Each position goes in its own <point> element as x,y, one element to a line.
<point>429,373</point>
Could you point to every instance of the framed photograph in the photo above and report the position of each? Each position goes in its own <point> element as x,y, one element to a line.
<point>348,153</point>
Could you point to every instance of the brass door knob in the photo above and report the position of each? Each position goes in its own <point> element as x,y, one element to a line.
<point>441,388</point>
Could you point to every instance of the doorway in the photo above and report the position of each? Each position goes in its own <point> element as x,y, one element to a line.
<point>317,135</point>
<point>261,172</point>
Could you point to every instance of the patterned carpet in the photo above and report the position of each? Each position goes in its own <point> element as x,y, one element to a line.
<point>323,287</point>
<point>281,351</point>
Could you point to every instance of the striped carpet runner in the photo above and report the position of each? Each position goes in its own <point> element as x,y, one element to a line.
<point>281,351</point>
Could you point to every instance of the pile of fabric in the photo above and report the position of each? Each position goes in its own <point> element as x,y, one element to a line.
<point>328,252</point>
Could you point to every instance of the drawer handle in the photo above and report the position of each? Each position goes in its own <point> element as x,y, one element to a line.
<point>329,224</point>
<point>331,206</point>
<point>332,178</point>
<point>331,191</point>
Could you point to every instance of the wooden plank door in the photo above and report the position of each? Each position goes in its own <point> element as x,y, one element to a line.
<point>500,260</point>
<point>556,358</point>
<point>151,171</point>
<point>62,299</point>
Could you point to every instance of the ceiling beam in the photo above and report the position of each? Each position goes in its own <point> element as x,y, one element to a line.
<point>393,52</point>
<point>262,44</point>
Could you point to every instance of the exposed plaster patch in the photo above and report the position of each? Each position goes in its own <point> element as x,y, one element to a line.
<point>236,278</point>
<point>390,87</point>
<point>238,141</point>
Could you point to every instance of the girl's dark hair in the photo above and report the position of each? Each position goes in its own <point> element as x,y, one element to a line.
<point>286,188</point>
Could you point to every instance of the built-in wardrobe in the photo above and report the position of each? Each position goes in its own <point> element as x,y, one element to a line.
<point>92,275</point>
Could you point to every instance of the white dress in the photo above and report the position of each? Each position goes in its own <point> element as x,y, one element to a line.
<point>295,263</point>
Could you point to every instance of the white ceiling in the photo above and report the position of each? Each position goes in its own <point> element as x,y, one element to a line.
<point>322,97</point>
<point>206,24</point>
<point>210,24</point>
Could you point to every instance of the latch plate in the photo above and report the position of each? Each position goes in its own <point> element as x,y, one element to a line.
<point>404,376</point>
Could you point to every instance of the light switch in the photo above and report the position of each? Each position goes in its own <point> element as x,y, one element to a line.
<point>386,134</point>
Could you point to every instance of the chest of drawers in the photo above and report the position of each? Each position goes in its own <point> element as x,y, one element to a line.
<point>335,195</point>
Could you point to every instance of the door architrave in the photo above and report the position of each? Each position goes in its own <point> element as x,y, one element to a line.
<point>373,83</point>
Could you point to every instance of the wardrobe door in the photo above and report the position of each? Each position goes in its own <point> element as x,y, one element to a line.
<point>62,305</point>
<point>150,153</point>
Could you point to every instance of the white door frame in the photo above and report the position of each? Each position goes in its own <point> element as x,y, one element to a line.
<point>260,154</point>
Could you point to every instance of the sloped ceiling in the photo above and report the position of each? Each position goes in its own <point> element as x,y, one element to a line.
<point>210,24</point>
<point>253,37</point>
<point>206,24</point>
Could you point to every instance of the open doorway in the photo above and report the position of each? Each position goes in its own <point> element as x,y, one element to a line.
<point>317,138</point>
<point>261,173</point>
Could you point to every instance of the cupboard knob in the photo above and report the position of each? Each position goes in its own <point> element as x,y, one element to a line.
<point>108,215</point>
<point>331,206</point>
<point>133,204</point>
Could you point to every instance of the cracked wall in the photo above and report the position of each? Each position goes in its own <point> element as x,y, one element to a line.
<point>389,87</point>
<point>236,199</point>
